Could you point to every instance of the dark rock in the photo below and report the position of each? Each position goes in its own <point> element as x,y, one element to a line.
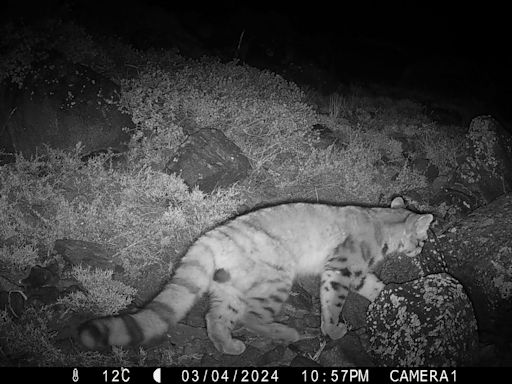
<point>40,277</point>
<point>478,252</point>
<point>43,285</point>
<point>454,201</point>
<point>399,268</point>
<point>208,159</point>
<point>486,166</point>
<point>271,357</point>
<point>196,316</point>
<point>300,298</point>
<point>354,311</point>
<point>432,258</point>
<point>60,104</point>
<point>427,322</point>
<point>346,352</point>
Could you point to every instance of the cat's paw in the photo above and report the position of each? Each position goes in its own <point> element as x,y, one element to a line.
<point>334,331</point>
<point>235,347</point>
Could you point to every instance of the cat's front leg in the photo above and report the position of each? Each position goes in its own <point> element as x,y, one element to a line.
<point>333,293</point>
<point>368,286</point>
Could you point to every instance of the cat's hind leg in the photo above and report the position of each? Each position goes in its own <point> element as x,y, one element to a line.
<point>226,309</point>
<point>263,304</point>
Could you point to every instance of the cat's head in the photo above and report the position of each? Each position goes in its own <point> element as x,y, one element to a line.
<point>409,236</point>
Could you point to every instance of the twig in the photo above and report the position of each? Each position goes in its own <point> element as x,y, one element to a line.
<point>317,354</point>
<point>237,56</point>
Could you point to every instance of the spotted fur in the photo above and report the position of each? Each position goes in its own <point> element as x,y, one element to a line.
<point>247,266</point>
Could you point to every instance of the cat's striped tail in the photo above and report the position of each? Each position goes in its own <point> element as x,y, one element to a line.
<point>191,280</point>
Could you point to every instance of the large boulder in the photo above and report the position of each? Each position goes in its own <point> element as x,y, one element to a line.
<point>483,172</point>
<point>425,322</point>
<point>60,104</point>
<point>478,252</point>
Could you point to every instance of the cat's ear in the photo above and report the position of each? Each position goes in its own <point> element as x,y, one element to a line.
<point>398,202</point>
<point>422,223</point>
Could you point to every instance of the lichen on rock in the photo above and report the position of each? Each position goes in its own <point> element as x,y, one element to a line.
<point>503,279</point>
<point>426,322</point>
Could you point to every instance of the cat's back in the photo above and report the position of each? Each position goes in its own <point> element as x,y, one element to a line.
<point>301,229</point>
<point>306,218</point>
<point>294,217</point>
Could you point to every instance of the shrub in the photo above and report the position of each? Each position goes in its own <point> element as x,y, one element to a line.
<point>260,111</point>
<point>143,215</point>
<point>104,296</point>
<point>29,340</point>
<point>19,257</point>
<point>441,148</point>
<point>350,174</point>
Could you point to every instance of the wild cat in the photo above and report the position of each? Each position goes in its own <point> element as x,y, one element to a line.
<point>247,266</point>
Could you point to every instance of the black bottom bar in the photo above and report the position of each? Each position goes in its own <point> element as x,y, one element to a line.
<point>270,375</point>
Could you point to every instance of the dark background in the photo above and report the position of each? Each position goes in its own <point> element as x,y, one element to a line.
<point>456,50</point>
